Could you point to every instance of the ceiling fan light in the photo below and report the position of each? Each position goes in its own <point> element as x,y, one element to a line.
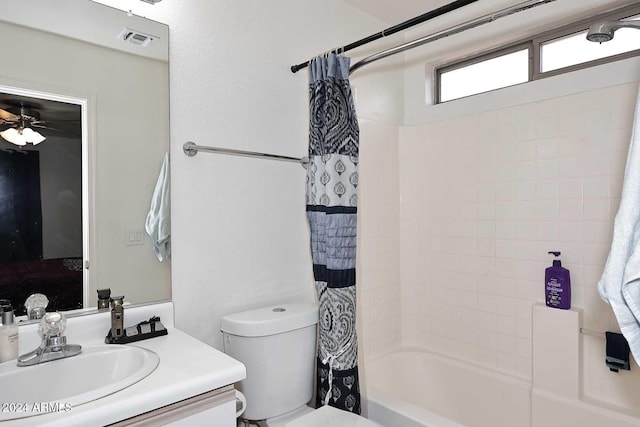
<point>22,137</point>
<point>13,136</point>
<point>32,136</point>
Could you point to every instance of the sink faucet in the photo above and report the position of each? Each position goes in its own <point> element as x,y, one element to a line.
<point>54,344</point>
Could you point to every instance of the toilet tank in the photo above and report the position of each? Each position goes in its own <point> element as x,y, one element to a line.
<point>277,346</point>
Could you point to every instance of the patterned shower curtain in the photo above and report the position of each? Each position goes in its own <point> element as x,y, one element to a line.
<point>332,181</point>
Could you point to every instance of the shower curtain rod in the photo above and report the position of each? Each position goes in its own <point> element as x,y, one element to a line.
<point>396,28</point>
<point>191,149</point>
<point>448,32</point>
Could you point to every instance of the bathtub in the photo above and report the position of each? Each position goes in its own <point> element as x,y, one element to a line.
<point>415,388</point>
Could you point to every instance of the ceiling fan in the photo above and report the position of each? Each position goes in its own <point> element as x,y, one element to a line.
<point>17,125</point>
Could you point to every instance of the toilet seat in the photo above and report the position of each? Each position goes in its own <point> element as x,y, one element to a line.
<point>328,416</point>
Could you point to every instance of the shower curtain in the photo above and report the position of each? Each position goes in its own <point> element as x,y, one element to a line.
<point>332,180</point>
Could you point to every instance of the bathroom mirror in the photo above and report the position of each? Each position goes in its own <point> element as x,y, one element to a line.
<point>111,69</point>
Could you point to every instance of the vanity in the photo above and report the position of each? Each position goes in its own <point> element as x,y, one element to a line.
<point>191,385</point>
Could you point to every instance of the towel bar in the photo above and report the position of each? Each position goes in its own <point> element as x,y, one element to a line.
<point>592,333</point>
<point>191,149</point>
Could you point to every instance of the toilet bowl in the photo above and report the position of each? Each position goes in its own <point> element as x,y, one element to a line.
<point>277,346</point>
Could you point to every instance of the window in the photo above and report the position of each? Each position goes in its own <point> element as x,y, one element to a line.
<point>575,49</point>
<point>504,70</point>
<point>554,52</point>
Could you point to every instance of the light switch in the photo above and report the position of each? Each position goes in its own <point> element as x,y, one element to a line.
<point>133,237</point>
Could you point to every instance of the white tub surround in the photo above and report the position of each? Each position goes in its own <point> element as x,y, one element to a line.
<point>556,350</point>
<point>557,397</point>
<point>386,408</point>
<point>416,388</point>
<point>188,368</point>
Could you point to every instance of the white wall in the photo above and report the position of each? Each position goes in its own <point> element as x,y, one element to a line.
<point>489,184</point>
<point>240,236</point>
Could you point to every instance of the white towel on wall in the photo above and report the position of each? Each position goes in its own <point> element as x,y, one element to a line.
<point>158,224</point>
<point>620,282</point>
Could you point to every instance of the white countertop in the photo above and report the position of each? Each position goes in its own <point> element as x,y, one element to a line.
<point>187,368</point>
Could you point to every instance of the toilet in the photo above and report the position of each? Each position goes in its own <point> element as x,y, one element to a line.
<point>277,346</point>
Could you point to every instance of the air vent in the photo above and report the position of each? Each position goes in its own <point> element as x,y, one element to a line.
<point>137,37</point>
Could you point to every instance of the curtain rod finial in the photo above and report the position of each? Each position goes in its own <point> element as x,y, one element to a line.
<point>296,68</point>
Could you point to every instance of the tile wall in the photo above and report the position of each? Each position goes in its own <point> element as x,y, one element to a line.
<point>484,198</point>
<point>378,262</point>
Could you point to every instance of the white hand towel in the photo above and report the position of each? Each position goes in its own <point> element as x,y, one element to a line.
<point>620,282</point>
<point>158,224</point>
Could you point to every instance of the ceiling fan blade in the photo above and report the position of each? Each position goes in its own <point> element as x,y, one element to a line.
<point>41,126</point>
<point>6,115</point>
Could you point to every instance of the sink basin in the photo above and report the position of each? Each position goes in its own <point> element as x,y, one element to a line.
<point>60,385</point>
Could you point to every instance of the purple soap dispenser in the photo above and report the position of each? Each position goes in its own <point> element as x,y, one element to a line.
<point>557,285</point>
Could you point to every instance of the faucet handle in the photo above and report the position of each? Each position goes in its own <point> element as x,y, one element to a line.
<point>52,325</point>
<point>36,306</point>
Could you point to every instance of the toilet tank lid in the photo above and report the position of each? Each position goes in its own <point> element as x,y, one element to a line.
<point>270,320</point>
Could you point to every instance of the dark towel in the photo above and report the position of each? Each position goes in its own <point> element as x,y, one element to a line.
<point>617,352</point>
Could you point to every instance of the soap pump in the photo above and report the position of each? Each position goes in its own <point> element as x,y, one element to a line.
<point>8,332</point>
<point>557,284</point>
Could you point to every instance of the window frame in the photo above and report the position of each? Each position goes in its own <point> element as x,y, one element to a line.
<point>485,56</point>
<point>534,44</point>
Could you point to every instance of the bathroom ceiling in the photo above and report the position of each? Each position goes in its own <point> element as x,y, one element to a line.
<point>395,12</point>
<point>513,28</point>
